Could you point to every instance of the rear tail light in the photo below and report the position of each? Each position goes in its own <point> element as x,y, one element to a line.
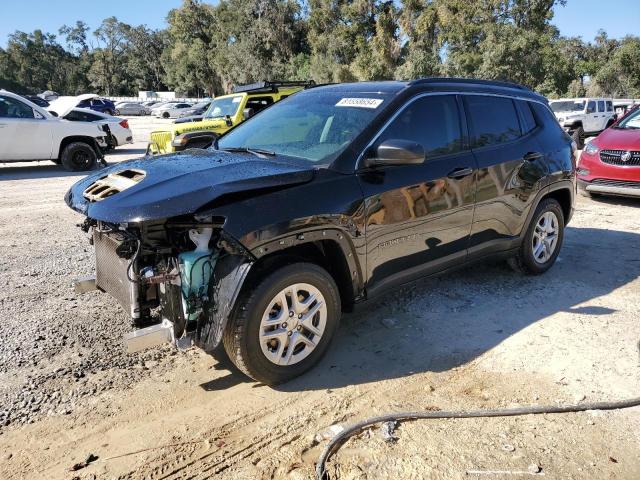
<point>124,123</point>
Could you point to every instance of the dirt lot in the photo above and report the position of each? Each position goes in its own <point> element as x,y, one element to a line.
<point>484,337</point>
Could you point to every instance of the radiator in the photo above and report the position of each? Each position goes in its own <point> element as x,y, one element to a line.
<point>111,273</point>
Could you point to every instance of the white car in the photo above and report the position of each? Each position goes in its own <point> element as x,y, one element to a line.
<point>583,117</point>
<point>171,110</point>
<point>118,127</point>
<point>29,132</point>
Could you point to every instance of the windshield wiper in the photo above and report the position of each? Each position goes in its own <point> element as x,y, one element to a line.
<point>258,152</point>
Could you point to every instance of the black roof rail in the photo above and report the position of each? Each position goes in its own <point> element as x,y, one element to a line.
<point>271,86</point>
<point>470,81</point>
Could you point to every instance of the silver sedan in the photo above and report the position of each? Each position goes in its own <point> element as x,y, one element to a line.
<point>132,109</point>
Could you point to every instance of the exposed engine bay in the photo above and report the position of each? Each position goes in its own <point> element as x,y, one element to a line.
<point>177,279</point>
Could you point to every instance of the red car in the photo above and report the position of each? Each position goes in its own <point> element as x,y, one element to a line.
<point>610,164</point>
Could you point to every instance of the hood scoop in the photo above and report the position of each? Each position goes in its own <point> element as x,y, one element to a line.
<point>113,183</point>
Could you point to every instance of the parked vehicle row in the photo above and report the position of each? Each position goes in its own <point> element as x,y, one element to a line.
<point>320,202</point>
<point>30,132</point>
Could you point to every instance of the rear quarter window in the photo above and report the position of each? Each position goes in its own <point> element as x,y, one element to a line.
<point>492,120</point>
<point>528,120</point>
<point>543,116</point>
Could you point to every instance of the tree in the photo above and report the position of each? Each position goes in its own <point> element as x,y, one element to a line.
<point>420,26</point>
<point>36,62</point>
<point>191,45</point>
<point>108,70</point>
<point>619,76</point>
<point>144,65</point>
<point>353,40</point>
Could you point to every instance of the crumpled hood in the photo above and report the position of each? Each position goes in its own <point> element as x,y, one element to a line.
<point>180,183</point>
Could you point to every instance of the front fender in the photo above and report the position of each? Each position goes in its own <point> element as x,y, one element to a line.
<point>228,278</point>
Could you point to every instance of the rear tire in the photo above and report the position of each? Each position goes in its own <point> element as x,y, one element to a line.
<point>166,115</point>
<point>542,241</point>
<point>78,156</point>
<point>117,112</point>
<point>578,137</point>
<point>266,340</point>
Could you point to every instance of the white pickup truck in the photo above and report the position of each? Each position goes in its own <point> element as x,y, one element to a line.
<point>583,117</point>
<point>29,132</point>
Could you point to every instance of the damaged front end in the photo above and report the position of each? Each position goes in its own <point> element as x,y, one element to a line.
<point>177,279</point>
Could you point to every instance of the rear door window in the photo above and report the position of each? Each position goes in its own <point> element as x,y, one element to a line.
<point>432,121</point>
<point>601,106</point>
<point>492,120</point>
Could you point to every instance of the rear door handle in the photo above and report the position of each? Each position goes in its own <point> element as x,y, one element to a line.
<point>2,125</point>
<point>531,156</point>
<point>460,172</point>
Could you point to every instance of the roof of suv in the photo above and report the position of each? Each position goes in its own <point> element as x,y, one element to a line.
<point>437,84</point>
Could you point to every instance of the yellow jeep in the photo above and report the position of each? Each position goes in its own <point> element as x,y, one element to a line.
<point>223,113</point>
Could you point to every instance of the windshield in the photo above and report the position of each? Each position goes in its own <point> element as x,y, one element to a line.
<point>221,107</point>
<point>631,122</point>
<point>314,125</point>
<point>567,106</point>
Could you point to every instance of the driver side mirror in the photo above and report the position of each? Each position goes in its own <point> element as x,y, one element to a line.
<point>227,120</point>
<point>396,152</point>
<point>53,113</point>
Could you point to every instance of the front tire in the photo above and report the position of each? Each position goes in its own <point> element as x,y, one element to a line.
<point>542,241</point>
<point>166,115</point>
<point>78,156</point>
<point>284,324</point>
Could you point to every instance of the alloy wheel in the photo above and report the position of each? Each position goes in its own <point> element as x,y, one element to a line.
<point>545,237</point>
<point>293,324</point>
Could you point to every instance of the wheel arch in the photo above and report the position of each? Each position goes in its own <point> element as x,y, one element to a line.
<point>564,196</point>
<point>78,139</point>
<point>562,192</point>
<point>327,248</point>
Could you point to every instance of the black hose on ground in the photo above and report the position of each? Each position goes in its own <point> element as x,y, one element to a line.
<point>339,439</point>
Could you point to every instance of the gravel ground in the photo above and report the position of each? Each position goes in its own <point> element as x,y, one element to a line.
<point>481,338</point>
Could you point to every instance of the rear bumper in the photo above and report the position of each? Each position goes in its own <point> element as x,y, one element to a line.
<point>611,187</point>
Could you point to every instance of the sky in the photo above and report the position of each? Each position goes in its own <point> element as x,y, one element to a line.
<point>578,18</point>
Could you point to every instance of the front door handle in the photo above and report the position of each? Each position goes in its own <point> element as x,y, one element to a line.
<point>460,172</point>
<point>2,125</point>
<point>531,156</point>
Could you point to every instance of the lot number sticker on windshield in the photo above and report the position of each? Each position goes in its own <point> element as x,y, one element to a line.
<point>360,102</point>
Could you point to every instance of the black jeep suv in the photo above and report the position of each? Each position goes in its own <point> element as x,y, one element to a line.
<point>324,200</point>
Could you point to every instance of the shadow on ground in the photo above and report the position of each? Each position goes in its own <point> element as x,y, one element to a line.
<point>47,169</point>
<point>440,323</point>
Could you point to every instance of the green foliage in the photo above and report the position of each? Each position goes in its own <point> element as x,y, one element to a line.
<point>207,48</point>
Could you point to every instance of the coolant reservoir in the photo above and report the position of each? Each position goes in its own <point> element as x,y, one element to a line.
<point>196,268</point>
